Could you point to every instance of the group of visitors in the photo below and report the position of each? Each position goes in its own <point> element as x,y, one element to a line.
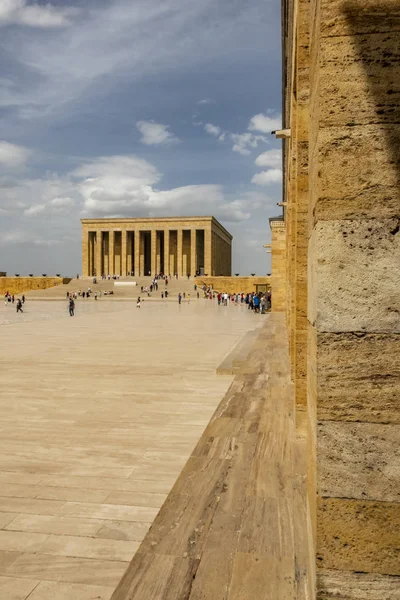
<point>87,294</point>
<point>183,297</point>
<point>257,302</point>
<point>10,299</point>
<point>104,276</point>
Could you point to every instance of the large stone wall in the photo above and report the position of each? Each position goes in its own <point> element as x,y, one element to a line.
<point>234,285</point>
<point>19,285</point>
<point>342,216</point>
<point>278,264</point>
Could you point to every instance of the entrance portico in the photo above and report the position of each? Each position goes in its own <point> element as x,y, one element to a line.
<point>175,246</point>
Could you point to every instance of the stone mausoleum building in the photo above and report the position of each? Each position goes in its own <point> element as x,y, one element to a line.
<point>143,246</point>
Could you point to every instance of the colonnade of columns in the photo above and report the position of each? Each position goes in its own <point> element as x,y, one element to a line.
<point>146,252</point>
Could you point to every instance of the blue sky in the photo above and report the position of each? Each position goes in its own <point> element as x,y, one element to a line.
<point>136,108</point>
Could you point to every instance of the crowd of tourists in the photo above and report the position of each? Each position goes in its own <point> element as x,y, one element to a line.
<point>10,299</point>
<point>258,302</point>
<point>89,293</point>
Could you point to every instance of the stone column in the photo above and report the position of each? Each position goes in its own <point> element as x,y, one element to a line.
<point>158,252</point>
<point>166,253</point>
<point>141,254</point>
<point>179,253</point>
<point>123,252</point>
<point>111,252</point>
<point>278,265</point>
<point>207,251</point>
<point>153,260</point>
<point>99,253</point>
<point>129,265</point>
<point>136,258</point>
<point>85,253</point>
<point>193,253</point>
<point>91,244</point>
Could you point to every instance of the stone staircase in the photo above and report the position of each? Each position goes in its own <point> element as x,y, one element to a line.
<point>175,286</point>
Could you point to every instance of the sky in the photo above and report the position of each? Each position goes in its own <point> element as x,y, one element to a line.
<point>130,108</point>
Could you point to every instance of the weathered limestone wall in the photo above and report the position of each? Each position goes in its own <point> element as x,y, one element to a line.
<point>234,285</point>
<point>222,263</point>
<point>354,312</point>
<point>342,215</point>
<point>19,285</point>
<point>278,265</point>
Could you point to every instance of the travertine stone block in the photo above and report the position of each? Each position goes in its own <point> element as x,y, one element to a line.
<point>346,585</point>
<point>19,285</point>
<point>312,423</point>
<point>357,279</point>
<point>354,87</point>
<point>341,17</point>
<point>354,173</point>
<point>359,377</point>
<point>358,460</point>
<point>357,535</point>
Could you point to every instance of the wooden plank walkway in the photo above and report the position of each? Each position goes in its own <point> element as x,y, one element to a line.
<point>234,525</point>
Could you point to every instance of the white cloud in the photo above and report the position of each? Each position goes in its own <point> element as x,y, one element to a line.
<point>120,41</point>
<point>45,242</point>
<point>270,158</point>
<point>265,123</point>
<point>206,101</point>
<point>56,205</point>
<point>34,210</point>
<point>19,237</point>
<point>155,133</point>
<point>62,202</point>
<point>18,12</point>
<point>213,129</point>
<point>243,142</point>
<point>12,155</point>
<point>11,237</point>
<point>267,177</point>
<point>125,186</point>
<point>62,205</point>
<point>237,210</point>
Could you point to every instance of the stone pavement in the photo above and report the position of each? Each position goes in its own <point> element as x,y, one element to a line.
<point>98,415</point>
<point>234,526</point>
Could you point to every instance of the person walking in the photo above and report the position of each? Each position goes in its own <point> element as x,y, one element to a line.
<point>19,306</point>
<point>71,307</point>
<point>179,298</point>
<point>138,303</point>
<point>256,303</point>
<point>23,299</point>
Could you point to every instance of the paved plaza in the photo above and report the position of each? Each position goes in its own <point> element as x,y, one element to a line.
<point>98,415</point>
